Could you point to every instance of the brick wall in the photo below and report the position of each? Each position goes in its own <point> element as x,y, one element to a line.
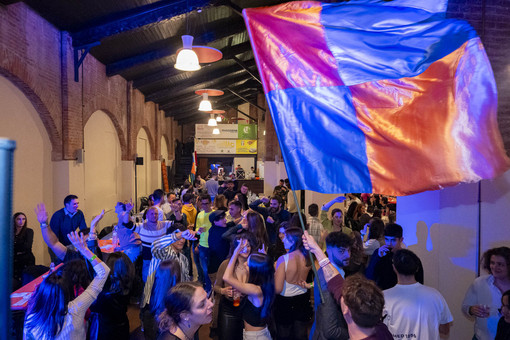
<point>38,59</point>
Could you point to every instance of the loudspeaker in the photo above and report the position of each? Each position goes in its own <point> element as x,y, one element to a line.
<point>139,161</point>
<point>80,156</point>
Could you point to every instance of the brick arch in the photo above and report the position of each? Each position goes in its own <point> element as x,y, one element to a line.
<point>44,114</point>
<point>152,143</point>
<point>118,129</point>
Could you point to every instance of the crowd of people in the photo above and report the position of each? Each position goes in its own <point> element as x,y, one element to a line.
<point>213,255</point>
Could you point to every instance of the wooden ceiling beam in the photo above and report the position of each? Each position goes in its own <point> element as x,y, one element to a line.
<point>132,19</point>
<point>226,76</point>
<point>213,31</point>
<point>228,53</point>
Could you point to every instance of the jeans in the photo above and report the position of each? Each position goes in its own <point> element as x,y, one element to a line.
<point>203,254</point>
<point>257,335</point>
<point>145,269</point>
<point>196,259</point>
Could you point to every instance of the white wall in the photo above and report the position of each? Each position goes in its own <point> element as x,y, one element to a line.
<point>33,170</point>
<point>143,172</point>
<point>102,168</point>
<point>442,228</point>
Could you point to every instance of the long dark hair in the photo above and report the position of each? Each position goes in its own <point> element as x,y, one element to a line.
<point>179,299</point>
<point>47,308</point>
<point>376,228</point>
<point>23,228</point>
<point>296,234</point>
<point>122,273</point>
<point>257,227</point>
<point>351,209</point>
<point>262,274</point>
<point>167,276</point>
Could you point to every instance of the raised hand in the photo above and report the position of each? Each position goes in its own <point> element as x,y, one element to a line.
<point>42,215</point>
<point>129,205</point>
<point>383,250</point>
<point>97,219</point>
<point>310,244</point>
<point>78,241</point>
<point>365,229</point>
<point>240,246</point>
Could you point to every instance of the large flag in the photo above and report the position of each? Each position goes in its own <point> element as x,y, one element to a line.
<point>377,96</point>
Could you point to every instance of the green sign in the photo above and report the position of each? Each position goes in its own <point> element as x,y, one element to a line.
<point>247,131</point>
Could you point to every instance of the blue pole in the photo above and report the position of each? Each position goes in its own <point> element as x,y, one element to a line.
<point>6,234</point>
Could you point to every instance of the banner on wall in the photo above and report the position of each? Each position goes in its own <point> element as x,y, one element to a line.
<point>247,131</point>
<point>227,131</point>
<point>225,146</point>
<point>246,147</point>
<point>215,146</point>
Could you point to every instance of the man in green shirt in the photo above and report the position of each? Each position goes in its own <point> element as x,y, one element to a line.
<point>202,226</point>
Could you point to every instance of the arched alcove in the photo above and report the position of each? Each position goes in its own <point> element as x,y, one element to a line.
<point>102,167</point>
<point>33,168</point>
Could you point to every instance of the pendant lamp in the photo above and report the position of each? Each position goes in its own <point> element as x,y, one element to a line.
<point>187,59</point>
<point>216,131</point>
<point>218,119</point>
<point>205,104</point>
<point>212,122</point>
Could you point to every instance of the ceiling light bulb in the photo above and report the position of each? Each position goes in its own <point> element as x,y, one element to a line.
<point>187,59</point>
<point>205,104</point>
<point>218,119</point>
<point>216,131</point>
<point>212,122</point>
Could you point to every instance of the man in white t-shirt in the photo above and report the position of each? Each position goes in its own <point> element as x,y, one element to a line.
<point>414,311</point>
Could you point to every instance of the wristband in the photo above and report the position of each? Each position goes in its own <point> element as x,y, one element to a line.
<point>324,262</point>
<point>44,225</point>
<point>93,258</point>
<point>311,285</point>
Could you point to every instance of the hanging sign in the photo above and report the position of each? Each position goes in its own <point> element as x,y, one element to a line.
<point>246,147</point>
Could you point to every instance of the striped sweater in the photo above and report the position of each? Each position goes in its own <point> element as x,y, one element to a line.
<point>149,233</point>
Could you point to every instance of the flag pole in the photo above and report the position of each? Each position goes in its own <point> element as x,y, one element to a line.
<point>309,253</point>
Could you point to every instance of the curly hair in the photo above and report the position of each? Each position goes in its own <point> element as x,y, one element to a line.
<point>504,252</point>
<point>364,299</point>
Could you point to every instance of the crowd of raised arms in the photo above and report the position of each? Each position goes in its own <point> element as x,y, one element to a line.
<point>214,254</point>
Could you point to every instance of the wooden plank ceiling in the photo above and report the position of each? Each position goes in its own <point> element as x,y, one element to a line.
<point>138,40</point>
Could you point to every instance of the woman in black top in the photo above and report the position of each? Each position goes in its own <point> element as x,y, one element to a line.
<point>187,307</point>
<point>230,318</point>
<point>259,291</point>
<point>109,312</point>
<point>23,240</point>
